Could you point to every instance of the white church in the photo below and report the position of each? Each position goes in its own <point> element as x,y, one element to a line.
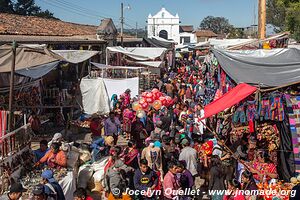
<point>165,25</point>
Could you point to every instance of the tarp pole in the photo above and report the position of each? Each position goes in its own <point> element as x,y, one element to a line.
<point>11,88</point>
<point>106,56</point>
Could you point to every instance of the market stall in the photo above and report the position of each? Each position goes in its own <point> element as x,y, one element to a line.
<point>263,115</point>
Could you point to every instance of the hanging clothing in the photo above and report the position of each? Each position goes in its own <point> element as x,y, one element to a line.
<point>277,109</point>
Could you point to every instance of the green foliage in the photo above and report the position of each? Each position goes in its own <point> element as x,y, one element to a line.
<point>236,33</point>
<point>286,15</point>
<point>24,7</point>
<point>216,24</point>
<point>6,6</point>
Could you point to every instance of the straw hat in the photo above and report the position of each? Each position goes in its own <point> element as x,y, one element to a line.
<point>109,140</point>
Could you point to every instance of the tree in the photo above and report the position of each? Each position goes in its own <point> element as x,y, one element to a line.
<point>286,15</point>
<point>6,6</point>
<point>236,33</point>
<point>26,7</point>
<point>46,14</point>
<point>218,25</point>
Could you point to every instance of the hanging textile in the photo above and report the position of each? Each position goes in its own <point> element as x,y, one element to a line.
<point>229,99</point>
<point>293,110</point>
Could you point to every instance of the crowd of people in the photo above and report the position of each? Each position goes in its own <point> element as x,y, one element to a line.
<point>168,149</point>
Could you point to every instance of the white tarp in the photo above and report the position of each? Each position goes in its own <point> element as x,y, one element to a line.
<point>118,86</point>
<point>201,44</point>
<point>94,96</point>
<point>104,66</point>
<point>156,64</point>
<point>224,43</point>
<point>140,53</point>
<point>75,56</point>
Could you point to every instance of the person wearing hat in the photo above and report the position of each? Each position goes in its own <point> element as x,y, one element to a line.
<point>15,192</point>
<point>101,147</point>
<point>55,157</point>
<point>38,192</point>
<point>57,138</point>
<point>52,187</point>
<point>189,155</point>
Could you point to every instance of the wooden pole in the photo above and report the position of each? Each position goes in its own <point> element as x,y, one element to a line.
<point>261,19</point>
<point>11,88</point>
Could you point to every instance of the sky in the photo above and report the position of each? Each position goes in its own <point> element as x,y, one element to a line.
<point>240,13</point>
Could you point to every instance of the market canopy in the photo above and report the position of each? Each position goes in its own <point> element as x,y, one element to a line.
<point>75,56</point>
<point>26,57</point>
<point>225,43</point>
<point>37,72</point>
<point>156,64</point>
<point>160,42</point>
<point>234,96</point>
<point>104,66</point>
<point>140,53</point>
<point>267,68</point>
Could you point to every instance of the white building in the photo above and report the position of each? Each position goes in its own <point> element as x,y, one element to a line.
<point>165,25</point>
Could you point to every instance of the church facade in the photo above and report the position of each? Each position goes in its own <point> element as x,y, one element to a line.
<point>164,25</point>
<point>167,26</point>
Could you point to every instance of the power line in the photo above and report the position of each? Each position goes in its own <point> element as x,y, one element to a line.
<point>71,10</point>
<point>88,11</point>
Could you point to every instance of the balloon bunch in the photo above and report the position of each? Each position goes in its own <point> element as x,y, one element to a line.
<point>155,98</point>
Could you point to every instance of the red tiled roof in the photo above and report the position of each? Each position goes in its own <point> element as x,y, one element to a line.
<point>186,28</point>
<point>11,24</point>
<point>205,33</point>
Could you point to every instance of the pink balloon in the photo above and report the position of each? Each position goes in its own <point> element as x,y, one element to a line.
<point>149,95</point>
<point>145,106</point>
<point>163,100</point>
<point>155,90</point>
<point>142,100</point>
<point>149,100</point>
<point>144,94</point>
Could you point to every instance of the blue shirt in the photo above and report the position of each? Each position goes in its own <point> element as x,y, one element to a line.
<point>39,154</point>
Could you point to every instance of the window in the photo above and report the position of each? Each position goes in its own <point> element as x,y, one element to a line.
<point>162,15</point>
<point>185,39</point>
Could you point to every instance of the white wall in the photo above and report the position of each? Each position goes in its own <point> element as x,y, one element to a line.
<point>192,37</point>
<point>163,20</point>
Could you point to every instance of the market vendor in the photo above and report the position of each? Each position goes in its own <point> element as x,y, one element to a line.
<point>39,153</point>
<point>101,147</point>
<point>57,138</point>
<point>262,169</point>
<point>55,158</point>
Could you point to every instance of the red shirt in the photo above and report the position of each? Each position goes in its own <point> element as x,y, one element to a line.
<point>89,198</point>
<point>95,128</point>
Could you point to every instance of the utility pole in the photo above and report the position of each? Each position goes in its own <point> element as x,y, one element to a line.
<point>261,19</point>
<point>122,23</point>
<point>136,30</point>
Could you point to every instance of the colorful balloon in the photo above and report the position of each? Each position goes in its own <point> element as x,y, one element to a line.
<point>140,114</point>
<point>163,100</point>
<point>142,100</point>
<point>157,104</point>
<point>145,106</point>
<point>149,95</point>
<point>155,90</point>
<point>136,106</point>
